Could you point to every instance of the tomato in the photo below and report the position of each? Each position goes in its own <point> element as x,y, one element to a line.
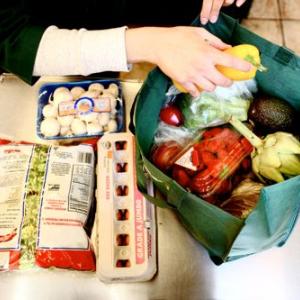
<point>164,155</point>
<point>171,115</point>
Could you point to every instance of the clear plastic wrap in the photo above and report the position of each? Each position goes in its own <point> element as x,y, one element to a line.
<point>215,108</point>
<point>167,133</point>
<point>212,166</point>
<point>83,109</point>
<point>46,196</point>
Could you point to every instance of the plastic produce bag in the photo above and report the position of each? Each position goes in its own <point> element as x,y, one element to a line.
<point>215,108</point>
<point>166,133</point>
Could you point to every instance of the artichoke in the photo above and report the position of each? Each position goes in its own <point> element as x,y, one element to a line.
<point>276,157</point>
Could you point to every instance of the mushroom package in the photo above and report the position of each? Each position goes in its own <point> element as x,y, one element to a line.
<point>80,109</point>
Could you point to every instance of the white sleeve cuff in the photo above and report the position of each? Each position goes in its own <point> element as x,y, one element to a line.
<point>81,52</point>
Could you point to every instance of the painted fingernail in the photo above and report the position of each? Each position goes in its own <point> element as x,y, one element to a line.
<point>204,21</point>
<point>213,19</point>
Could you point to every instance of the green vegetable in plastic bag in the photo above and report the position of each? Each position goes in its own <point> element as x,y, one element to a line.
<point>215,108</point>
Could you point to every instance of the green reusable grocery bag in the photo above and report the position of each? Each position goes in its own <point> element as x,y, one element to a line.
<point>224,236</point>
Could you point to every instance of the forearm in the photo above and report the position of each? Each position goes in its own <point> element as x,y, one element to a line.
<point>81,52</point>
<point>141,44</point>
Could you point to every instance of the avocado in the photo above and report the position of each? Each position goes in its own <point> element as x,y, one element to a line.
<point>271,114</point>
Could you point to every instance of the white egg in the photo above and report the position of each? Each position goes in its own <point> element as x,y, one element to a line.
<point>94,128</point>
<point>78,127</point>
<point>65,120</point>
<point>62,95</point>
<point>49,111</point>
<point>65,130</point>
<point>89,117</point>
<point>112,126</point>
<point>96,87</point>
<point>77,91</point>
<point>50,127</point>
<point>103,118</point>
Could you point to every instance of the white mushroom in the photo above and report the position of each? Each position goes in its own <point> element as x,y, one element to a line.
<point>60,89</point>
<point>50,127</point>
<point>113,103</point>
<point>94,128</point>
<point>90,94</point>
<point>78,127</point>
<point>49,111</point>
<point>112,126</point>
<point>114,89</point>
<point>113,100</point>
<point>65,120</point>
<point>96,87</point>
<point>77,91</point>
<point>62,94</point>
<point>113,114</point>
<point>65,130</point>
<point>108,93</point>
<point>103,118</point>
<point>89,117</point>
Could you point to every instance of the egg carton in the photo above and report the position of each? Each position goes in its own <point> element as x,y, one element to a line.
<point>125,220</point>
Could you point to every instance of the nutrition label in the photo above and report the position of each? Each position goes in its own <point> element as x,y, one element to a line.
<point>67,196</point>
<point>80,189</point>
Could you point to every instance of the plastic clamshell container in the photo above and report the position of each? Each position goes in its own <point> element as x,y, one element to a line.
<point>46,91</point>
<point>125,220</point>
<point>214,159</point>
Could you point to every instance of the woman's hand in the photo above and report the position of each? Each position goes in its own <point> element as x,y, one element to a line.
<point>211,9</point>
<point>188,55</point>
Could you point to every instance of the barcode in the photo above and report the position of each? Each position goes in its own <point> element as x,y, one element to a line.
<point>84,157</point>
<point>78,205</point>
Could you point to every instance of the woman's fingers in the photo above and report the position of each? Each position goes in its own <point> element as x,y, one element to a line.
<point>205,11</point>
<point>240,2</point>
<point>228,2</point>
<point>228,60</point>
<point>216,7</point>
<point>204,84</point>
<point>217,78</point>
<point>191,88</point>
<point>211,9</point>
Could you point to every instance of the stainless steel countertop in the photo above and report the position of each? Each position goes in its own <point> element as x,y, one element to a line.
<point>184,268</point>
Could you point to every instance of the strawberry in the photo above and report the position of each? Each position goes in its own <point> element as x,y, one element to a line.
<point>195,158</point>
<point>208,158</point>
<point>211,133</point>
